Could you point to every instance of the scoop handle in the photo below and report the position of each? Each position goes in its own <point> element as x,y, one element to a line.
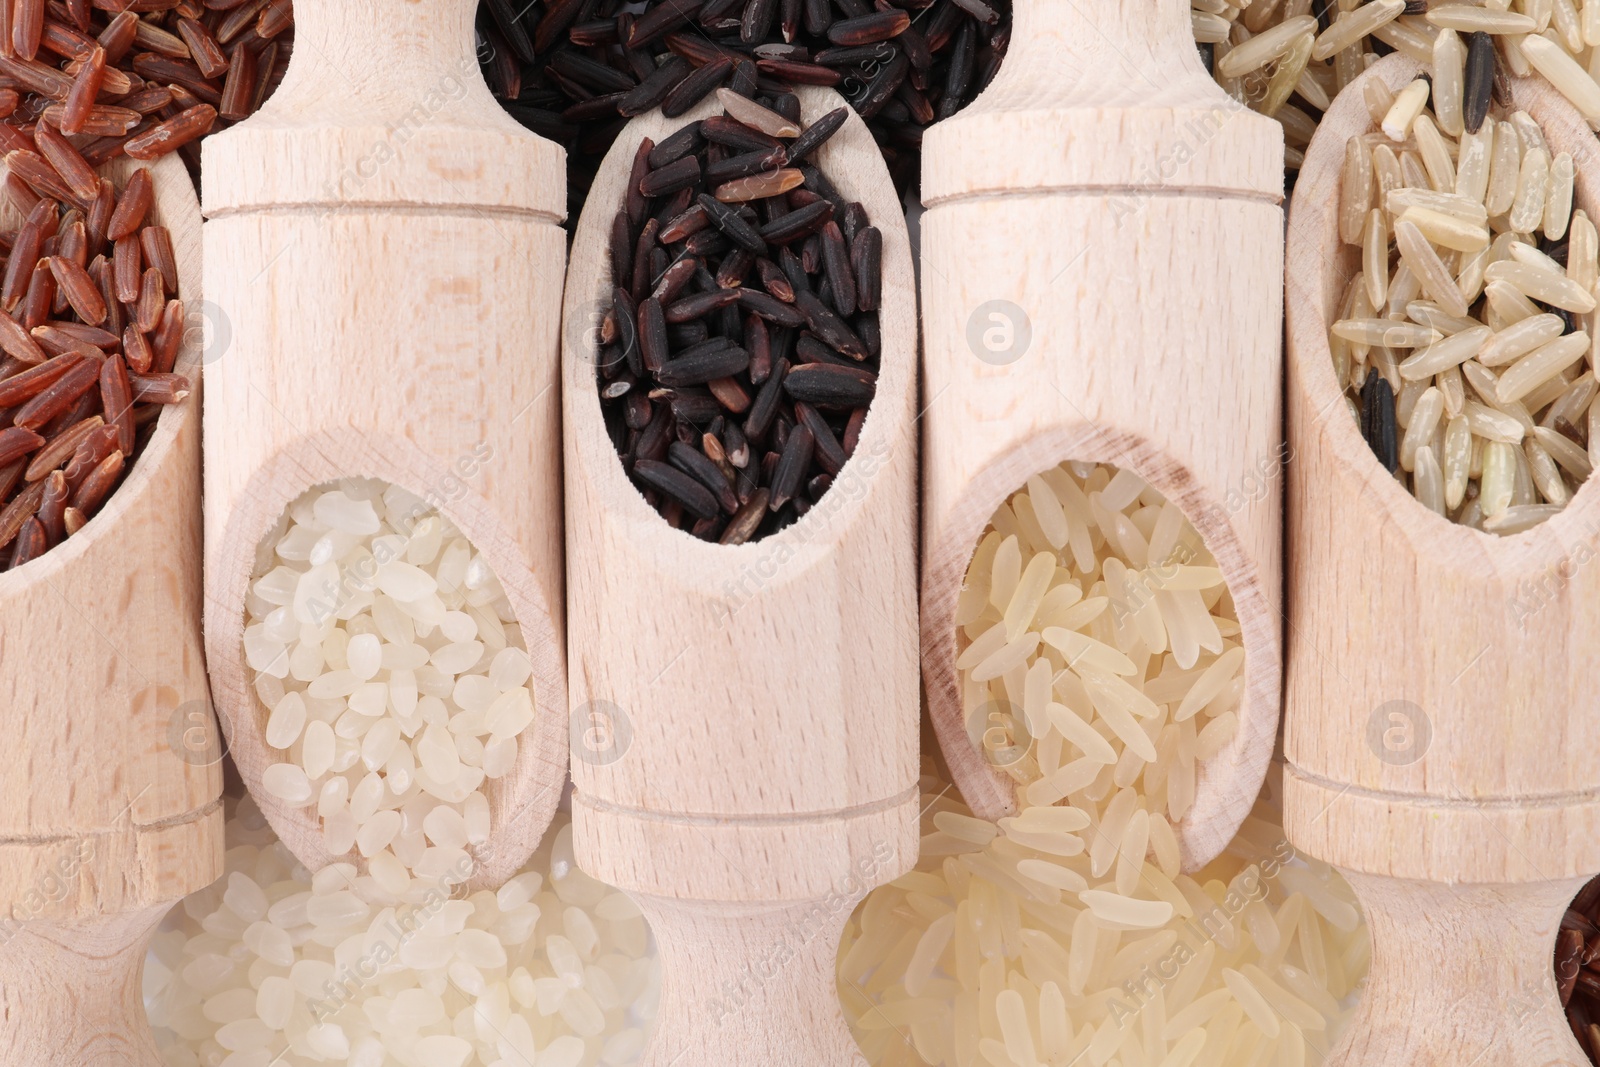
<point>1099,52</point>
<point>1483,955</point>
<point>749,985</point>
<point>1141,334</point>
<point>745,716</point>
<point>111,772</point>
<point>383,243</point>
<point>70,992</point>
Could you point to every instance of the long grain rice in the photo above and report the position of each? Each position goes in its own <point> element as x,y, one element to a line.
<point>1496,345</point>
<point>1469,18</point>
<point>1352,25</point>
<point>1565,73</point>
<point>1449,70</point>
<point>1068,933</point>
<point>1266,47</point>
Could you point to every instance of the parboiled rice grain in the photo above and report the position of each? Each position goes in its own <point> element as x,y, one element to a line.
<point>1012,943</point>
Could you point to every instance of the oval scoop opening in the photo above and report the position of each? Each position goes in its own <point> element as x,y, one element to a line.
<point>1098,651</point>
<point>1119,642</point>
<point>393,693</point>
<point>1458,314</point>
<point>738,338</point>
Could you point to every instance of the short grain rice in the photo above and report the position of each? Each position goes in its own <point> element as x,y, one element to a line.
<point>392,673</point>
<point>275,964</point>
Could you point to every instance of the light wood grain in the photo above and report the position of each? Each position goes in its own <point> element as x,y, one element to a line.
<point>757,765</point>
<point>70,993</point>
<point>1120,204</point>
<point>1460,974</point>
<point>383,242</point>
<point>106,817</point>
<point>1467,823</point>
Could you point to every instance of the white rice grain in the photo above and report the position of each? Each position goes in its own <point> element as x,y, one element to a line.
<point>327,972</point>
<point>404,686</point>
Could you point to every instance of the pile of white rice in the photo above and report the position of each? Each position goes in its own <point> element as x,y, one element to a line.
<point>274,966</point>
<point>1100,659</point>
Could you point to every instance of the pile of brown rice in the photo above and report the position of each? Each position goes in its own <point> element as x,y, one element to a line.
<point>1290,58</point>
<point>1463,341</point>
<point>1484,196</point>
<point>1098,637</point>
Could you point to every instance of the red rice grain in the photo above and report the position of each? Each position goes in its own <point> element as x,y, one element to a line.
<point>90,335</point>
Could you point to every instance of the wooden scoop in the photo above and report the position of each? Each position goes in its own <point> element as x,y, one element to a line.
<point>745,718</point>
<point>111,777</point>
<point>1099,260</point>
<point>1442,727</point>
<point>384,245</point>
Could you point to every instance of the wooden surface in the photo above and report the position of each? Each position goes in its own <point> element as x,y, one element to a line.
<point>383,242</point>
<point>784,1010</point>
<point>1461,974</point>
<point>70,993</point>
<point>1108,194</point>
<point>1467,828</point>
<point>106,809</point>
<point>758,771</point>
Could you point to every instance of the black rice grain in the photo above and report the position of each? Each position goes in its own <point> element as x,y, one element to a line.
<point>671,178</point>
<point>570,69</point>
<point>690,494</point>
<point>1378,421</point>
<point>742,342</point>
<point>1478,81</point>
